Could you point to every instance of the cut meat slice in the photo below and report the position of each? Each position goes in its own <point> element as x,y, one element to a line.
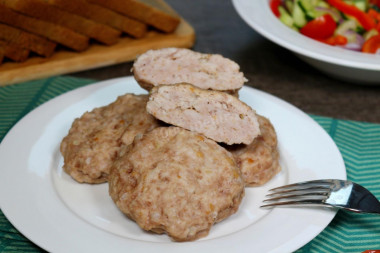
<point>177,65</point>
<point>217,115</point>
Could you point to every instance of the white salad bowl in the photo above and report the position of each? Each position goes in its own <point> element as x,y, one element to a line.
<point>344,64</point>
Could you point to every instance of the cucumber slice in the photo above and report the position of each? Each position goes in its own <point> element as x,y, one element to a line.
<point>306,5</point>
<point>289,4</point>
<point>345,26</point>
<point>285,17</point>
<point>370,34</point>
<point>360,4</point>
<point>359,28</point>
<point>323,4</point>
<point>308,9</point>
<point>298,15</point>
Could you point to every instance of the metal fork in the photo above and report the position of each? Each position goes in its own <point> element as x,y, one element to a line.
<point>329,192</point>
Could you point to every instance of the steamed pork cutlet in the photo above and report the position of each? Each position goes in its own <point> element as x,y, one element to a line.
<point>177,65</point>
<point>174,181</point>
<point>94,139</point>
<point>217,115</point>
<point>258,161</point>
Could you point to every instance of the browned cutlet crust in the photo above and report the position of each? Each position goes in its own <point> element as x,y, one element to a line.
<point>258,161</point>
<point>178,182</point>
<point>95,138</point>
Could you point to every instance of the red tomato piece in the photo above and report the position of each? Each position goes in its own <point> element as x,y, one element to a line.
<point>337,40</point>
<point>274,7</point>
<point>375,16</point>
<point>352,10</point>
<point>377,3</point>
<point>320,28</point>
<point>371,45</point>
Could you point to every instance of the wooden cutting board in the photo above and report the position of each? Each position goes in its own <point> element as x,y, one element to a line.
<point>64,62</point>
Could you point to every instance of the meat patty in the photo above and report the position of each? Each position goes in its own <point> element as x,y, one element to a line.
<point>177,65</point>
<point>217,115</point>
<point>94,139</point>
<point>258,161</point>
<point>175,181</point>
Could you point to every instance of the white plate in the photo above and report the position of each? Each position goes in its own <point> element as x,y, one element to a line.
<point>60,215</point>
<point>341,63</point>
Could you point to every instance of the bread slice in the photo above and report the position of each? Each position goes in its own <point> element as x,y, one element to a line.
<point>44,11</point>
<point>27,40</point>
<point>147,11</point>
<point>102,15</point>
<point>14,52</point>
<point>1,54</point>
<point>59,34</point>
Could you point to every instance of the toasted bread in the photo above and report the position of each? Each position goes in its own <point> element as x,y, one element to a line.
<point>42,10</point>
<point>1,54</point>
<point>14,52</point>
<point>102,15</point>
<point>146,11</point>
<point>27,40</point>
<point>56,33</point>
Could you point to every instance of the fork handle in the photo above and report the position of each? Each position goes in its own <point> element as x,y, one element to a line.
<point>361,199</point>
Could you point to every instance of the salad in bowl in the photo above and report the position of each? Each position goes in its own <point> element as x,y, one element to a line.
<point>350,24</point>
<point>339,24</point>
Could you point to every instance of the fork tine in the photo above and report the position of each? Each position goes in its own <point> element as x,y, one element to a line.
<point>307,183</point>
<point>330,193</point>
<point>311,192</point>
<point>284,190</point>
<point>299,195</point>
<point>294,202</point>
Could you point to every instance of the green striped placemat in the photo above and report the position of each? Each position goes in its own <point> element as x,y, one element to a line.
<point>359,143</point>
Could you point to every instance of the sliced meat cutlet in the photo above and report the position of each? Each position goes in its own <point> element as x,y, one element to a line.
<point>43,10</point>
<point>103,15</point>
<point>56,33</point>
<point>94,139</point>
<point>177,65</point>
<point>12,51</point>
<point>175,181</point>
<point>258,161</point>
<point>217,115</point>
<point>26,40</point>
<point>146,11</point>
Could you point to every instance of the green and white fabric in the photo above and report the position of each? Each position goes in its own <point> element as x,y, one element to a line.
<point>359,143</point>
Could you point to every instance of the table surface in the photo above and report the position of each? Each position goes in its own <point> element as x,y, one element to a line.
<point>268,67</point>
